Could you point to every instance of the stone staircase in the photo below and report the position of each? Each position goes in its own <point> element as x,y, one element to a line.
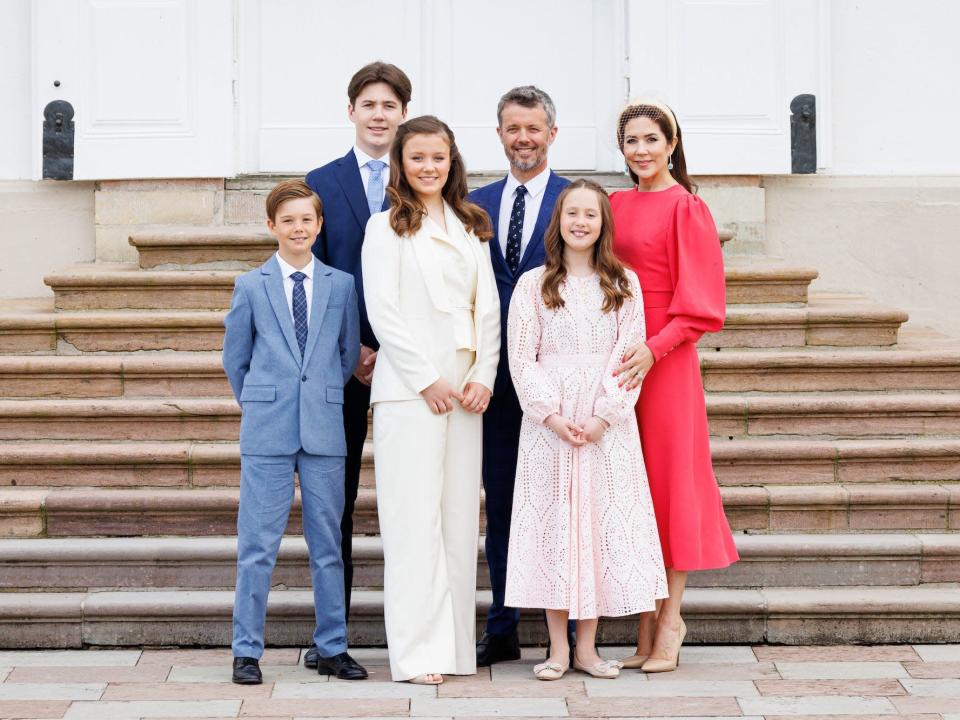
<point>836,442</point>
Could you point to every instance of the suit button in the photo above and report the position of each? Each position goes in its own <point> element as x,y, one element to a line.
<point>304,378</point>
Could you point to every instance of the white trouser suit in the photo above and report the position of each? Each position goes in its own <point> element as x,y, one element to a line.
<point>433,305</point>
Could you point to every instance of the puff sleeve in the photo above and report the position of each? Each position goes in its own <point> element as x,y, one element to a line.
<point>538,395</point>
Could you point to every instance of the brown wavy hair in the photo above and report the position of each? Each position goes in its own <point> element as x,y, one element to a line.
<point>406,210</point>
<point>679,171</point>
<point>613,277</point>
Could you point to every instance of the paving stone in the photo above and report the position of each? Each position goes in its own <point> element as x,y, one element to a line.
<point>153,709</point>
<point>933,669</point>
<point>666,707</point>
<point>37,709</point>
<point>822,653</point>
<point>110,674</point>
<point>351,690</point>
<point>830,687</point>
<point>933,688</point>
<point>629,687</point>
<point>568,686</point>
<point>817,705</point>
<point>4,672</point>
<point>718,654</point>
<point>933,653</point>
<point>840,670</point>
<point>487,707</point>
<point>710,671</point>
<point>926,704</point>
<point>884,716</point>
<point>305,707</point>
<point>69,658</point>
<point>178,691</point>
<point>271,656</point>
<point>221,673</point>
<point>51,691</point>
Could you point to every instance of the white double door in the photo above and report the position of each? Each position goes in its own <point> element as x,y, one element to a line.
<point>214,88</point>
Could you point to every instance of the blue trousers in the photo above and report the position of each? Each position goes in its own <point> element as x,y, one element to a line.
<point>266,494</point>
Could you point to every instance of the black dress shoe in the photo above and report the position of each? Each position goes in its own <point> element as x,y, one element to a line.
<point>246,671</point>
<point>497,648</point>
<point>342,665</point>
<point>310,658</point>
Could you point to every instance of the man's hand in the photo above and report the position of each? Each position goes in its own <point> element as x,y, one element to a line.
<point>566,430</point>
<point>364,369</point>
<point>438,397</point>
<point>476,398</point>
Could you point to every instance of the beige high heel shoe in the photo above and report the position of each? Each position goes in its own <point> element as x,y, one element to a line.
<point>659,665</point>
<point>634,661</point>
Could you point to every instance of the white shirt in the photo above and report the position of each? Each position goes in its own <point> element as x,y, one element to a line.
<point>531,210</point>
<point>363,159</point>
<point>287,270</point>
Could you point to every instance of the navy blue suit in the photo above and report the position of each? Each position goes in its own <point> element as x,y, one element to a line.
<point>345,215</point>
<point>501,422</point>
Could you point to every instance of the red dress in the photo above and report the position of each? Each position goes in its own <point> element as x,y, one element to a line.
<point>669,239</point>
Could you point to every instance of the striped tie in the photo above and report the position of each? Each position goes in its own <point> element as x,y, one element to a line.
<point>375,185</point>
<point>299,310</point>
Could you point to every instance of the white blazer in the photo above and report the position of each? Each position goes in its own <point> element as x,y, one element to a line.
<point>410,311</point>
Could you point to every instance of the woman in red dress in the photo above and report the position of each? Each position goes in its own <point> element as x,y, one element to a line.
<point>667,236</point>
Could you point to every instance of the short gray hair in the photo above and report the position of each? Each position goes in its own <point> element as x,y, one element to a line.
<point>528,96</point>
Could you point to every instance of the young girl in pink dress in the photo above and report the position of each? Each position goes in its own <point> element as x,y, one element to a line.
<point>583,538</point>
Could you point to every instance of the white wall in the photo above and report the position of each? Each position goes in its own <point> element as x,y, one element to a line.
<point>15,135</point>
<point>895,95</point>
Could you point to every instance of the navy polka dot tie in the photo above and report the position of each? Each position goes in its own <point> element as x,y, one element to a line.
<point>299,309</point>
<point>515,232</point>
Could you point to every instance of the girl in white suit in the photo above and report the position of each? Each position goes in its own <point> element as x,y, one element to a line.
<point>433,305</point>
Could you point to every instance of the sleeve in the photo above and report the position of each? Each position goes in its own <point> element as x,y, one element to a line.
<point>238,339</point>
<point>538,396</point>
<point>380,264</point>
<point>486,372</point>
<point>350,334</point>
<point>696,262</point>
<point>614,404</point>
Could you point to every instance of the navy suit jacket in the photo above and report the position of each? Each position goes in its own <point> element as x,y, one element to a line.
<point>345,215</point>
<point>488,197</point>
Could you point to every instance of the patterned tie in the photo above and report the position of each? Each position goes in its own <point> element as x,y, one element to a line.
<point>299,309</point>
<point>375,185</point>
<point>515,232</point>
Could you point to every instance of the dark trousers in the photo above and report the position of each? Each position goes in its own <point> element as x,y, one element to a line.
<point>356,404</point>
<point>501,440</point>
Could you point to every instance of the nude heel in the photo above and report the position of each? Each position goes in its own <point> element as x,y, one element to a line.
<point>659,665</point>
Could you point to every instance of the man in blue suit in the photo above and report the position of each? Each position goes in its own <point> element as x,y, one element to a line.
<point>292,340</point>
<point>352,189</point>
<point>520,206</point>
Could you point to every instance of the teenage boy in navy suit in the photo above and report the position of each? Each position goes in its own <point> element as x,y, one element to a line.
<point>520,206</point>
<point>352,189</point>
<point>291,342</point>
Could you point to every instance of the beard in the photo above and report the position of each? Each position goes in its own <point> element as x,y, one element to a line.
<point>539,156</point>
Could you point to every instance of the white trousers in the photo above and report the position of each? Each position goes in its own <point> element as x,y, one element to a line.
<point>428,471</point>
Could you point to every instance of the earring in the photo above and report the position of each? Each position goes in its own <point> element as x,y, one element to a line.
<point>670,163</point>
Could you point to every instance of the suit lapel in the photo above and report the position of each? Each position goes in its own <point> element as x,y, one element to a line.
<point>423,247</point>
<point>550,193</point>
<point>496,197</point>
<point>273,281</point>
<point>348,175</point>
<point>318,306</point>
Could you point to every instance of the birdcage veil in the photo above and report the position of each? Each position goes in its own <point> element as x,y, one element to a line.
<point>644,107</point>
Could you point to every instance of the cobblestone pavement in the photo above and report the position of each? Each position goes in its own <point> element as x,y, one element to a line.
<point>920,682</point>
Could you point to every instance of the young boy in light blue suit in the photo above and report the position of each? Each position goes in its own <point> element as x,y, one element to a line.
<point>292,340</point>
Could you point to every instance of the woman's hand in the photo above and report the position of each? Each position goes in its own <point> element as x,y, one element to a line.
<point>593,429</point>
<point>476,398</point>
<point>636,362</point>
<point>438,397</point>
<point>566,430</point>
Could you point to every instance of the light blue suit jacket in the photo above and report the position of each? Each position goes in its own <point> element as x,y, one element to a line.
<point>291,403</point>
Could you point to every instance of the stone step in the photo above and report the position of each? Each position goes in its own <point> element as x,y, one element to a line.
<point>209,563</point>
<point>34,326</point>
<point>119,286</point>
<point>928,614</point>
<point>85,512</point>
<point>839,414</point>
<point>824,370</point>
<point>753,461</point>
<point>231,247</point>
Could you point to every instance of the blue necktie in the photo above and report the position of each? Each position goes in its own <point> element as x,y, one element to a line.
<point>515,232</point>
<point>299,310</point>
<point>375,185</point>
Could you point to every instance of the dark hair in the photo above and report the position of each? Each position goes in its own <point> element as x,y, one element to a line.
<point>528,96</point>
<point>291,190</point>
<point>381,72</point>
<point>406,210</point>
<point>679,171</point>
<point>613,277</point>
